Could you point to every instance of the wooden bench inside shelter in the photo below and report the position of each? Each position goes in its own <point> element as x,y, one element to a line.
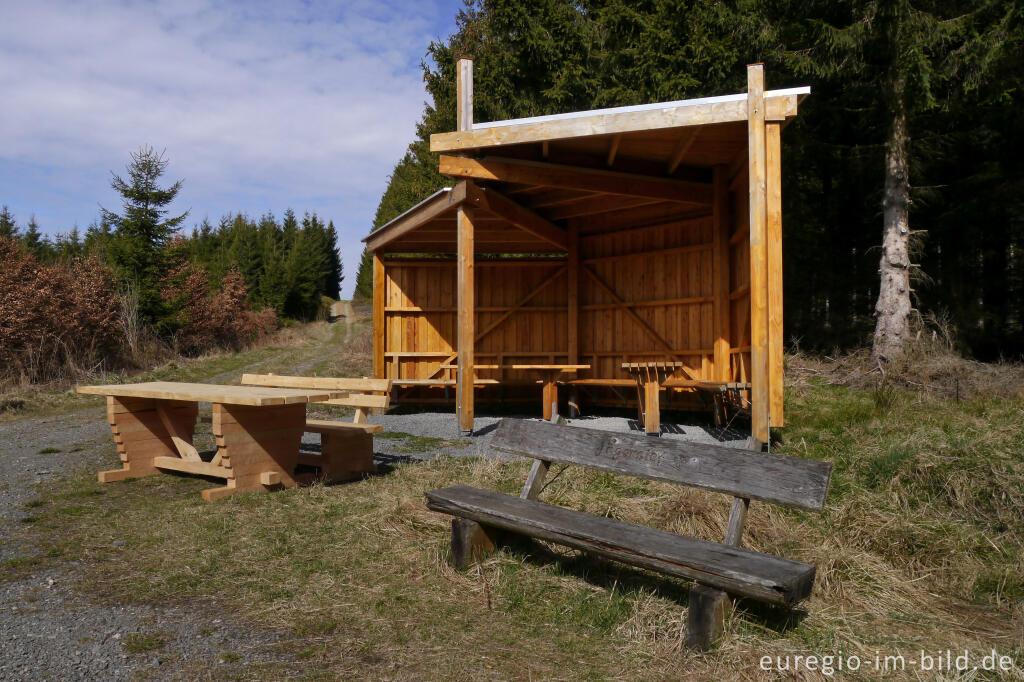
<point>346,448</point>
<point>483,516</point>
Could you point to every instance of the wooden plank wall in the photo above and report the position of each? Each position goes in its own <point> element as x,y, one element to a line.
<point>671,261</point>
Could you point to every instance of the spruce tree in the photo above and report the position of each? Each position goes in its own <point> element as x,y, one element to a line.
<point>8,227</point>
<point>142,231</point>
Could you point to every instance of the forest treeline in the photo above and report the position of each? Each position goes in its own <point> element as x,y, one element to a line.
<point>948,70</point>
<point>135,286</point>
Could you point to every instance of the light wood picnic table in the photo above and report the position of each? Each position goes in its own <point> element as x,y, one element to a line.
<point>548,373</point>
<point>257,430</point>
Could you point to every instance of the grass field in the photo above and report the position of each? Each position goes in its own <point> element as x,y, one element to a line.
<point>919,548</point>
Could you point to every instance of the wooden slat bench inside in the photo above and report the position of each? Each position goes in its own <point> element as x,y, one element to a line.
<point>482,516</point>
<point>346,448</point>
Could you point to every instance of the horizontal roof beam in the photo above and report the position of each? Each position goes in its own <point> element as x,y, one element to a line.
<point>573,177</point>
<point>779,106</point>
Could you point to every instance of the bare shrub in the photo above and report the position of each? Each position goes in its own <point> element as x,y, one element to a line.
<point>213,321</point>
<point>55,322</point>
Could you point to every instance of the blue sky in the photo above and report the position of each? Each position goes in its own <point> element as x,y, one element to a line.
<point>260,106</point>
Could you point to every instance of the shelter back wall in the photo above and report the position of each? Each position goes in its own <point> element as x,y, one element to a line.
<point>663,272</point>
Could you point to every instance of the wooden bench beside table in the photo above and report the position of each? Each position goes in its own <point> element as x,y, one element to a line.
<point>482,516</point>
<point>346,448</point>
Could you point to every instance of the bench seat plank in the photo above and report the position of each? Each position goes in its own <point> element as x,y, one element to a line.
<point>326,425</point>
<point>738,571</point>
<point>789,481</point>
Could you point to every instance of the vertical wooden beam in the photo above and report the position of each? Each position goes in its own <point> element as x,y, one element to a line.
<point>758,254</point>
<point>720,269</point>
<point>773,233</point>
<point>464,94</point>
<point>652,405</point>
<point>467,305</point>
<point>379,321</point>
<point>573,275</point>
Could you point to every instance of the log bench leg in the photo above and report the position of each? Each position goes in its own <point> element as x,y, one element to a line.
<point>705,619</point>
<point>472,542</point>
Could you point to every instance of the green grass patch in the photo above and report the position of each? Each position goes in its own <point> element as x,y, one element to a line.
<point>410,443</point>
<point>49,451</point>
<point>145,642</point>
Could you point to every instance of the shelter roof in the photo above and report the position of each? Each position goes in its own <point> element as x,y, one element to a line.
<point>606,169</point>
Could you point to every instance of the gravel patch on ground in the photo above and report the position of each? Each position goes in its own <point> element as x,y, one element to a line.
<point>50,632</point>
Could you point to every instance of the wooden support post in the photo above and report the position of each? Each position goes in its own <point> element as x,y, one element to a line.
<point>705,617</point>
<point>758,254</point>
<point>379,321</point>
<point>464,86</point>
<point>535,480</point>
<point>773,233</point>
<point>720,269</point>
<point>471,541</point>
<point>550,398</point>
<point>652,405</point>
<point>573,275</point>
<point>709,607</point>
<point>466,286</point>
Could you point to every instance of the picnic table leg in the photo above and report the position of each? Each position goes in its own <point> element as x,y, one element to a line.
<point>141,436</point>
<point>257,446</point>
<point>652,407</point>
<point>550,398</point>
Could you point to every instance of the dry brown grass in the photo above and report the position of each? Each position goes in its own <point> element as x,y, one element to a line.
<point>930,364</point>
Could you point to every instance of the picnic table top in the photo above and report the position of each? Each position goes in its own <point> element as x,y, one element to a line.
<point>654,364</point>
<point>258,396</point>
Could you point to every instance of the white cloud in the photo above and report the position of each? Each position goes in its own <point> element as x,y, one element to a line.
<point>259,105</point>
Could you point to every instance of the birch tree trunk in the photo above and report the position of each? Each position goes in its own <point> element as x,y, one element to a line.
<point>892,311</point>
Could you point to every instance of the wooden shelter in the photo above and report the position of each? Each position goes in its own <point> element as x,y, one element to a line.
<point>593,240</point>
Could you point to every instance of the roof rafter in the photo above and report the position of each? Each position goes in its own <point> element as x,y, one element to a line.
<point>517,214</point>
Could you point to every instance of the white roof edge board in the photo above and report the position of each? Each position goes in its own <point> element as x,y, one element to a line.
<point>805,90</point>
<point>408,211</point>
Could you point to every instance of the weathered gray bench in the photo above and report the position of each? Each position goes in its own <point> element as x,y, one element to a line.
<point>718,568</point>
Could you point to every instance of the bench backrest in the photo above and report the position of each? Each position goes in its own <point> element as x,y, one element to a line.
<point>362,393</point>
<point>788,481</point>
